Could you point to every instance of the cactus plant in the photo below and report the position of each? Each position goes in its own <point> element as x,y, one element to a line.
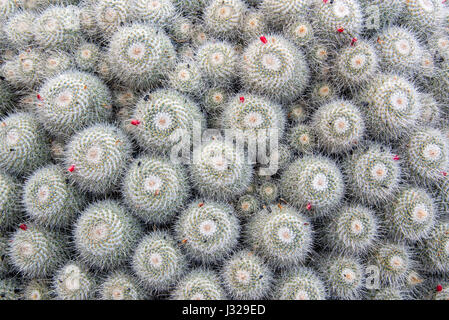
<point>199,284</point>
<point>105,234</point>
<point>155,189</point>
<point>300,284</point>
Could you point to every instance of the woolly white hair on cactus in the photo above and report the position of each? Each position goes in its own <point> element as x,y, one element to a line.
<point>300,284</point>
<point>24,146</point>
<point>343,276</point>
<point>281,235</point>
<point>97,157</point>
<point>218,62</point>
<point>273,66</point>
<point>313,184</point>
<point>140,55</point>
<point>412,214</point>
<point>71,101</point>
<point>158,261</point>
<point>35,251</point>
<point>199,284</point>
<point>392,107</point>
<point>249,113</point>
<point>155,189</point>
<point>220,171</point>
<point>120,285</point>
<point>74,282</point>
<point>339,126</point>
<point>105,234</point>
<point>246,276</point>
<point>373,174</point>
<point>158,117</point>
<point>209,229</point>
<point>354,229</point>
<point>427,155</point>
<point>49,199</point>
<point>223,18</point>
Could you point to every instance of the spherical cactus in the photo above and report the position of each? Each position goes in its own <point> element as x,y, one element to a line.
<point>208,231</point>
<point>300,31</point>
<point>247,205</point>
<point>246,276</point>
<point>106,234</point>
<point>220,171</point>
<point>279,12</point>
<point>140,55</point>
<point>275,67</point>
<point>158,12</point>
<point>387,293</point>
<point>58,27</point>
<point>158,261</point>
<point>87,56</point>
<point>399,50</point>
<point>186,78</point>
<point>302,138</point>
<point>339,126</point>
<point>97,157</point>
<point>218,63</point>
<point>199,284</point>
<point>412,214</point>
<point>181,30</point>
<point>24,145</point>
<point>339,20</point>
<point>49,200</point>
<point>215,99</point>
<point>25,69</point>
<point>298,112</point>
<point>300,284</point>
<point>281,235</point>
<point>71,101</point>
<point>19,28</point>
<point>159,116</point>
<point>355,65</point>
<point>392,107</point>
<point>120,285</point>
<point>36,252</point>
<point>373,174</point>
<point>10,289</point>
<point>268,191</point>
<point>424,16</point>
<point>37,290</point>
<point>314,184</point>
<point>155,189</point>
<point>427,155</point>
<point>354,229</point>
<point>250,113</point>
<point>434,252</point>
<point>343,276</point>
<point>109,15</point>
<point>322,92</point>
<point>74,282</point>
<point>223,18</point>
<point>393,262</point>
<point>56,62</point>
<point>253,25</point>
<point>9,200</point>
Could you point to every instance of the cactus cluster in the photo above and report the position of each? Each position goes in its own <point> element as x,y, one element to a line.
<point>135,164</point>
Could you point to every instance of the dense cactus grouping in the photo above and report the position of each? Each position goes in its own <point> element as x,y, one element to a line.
<point>224,149</point>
